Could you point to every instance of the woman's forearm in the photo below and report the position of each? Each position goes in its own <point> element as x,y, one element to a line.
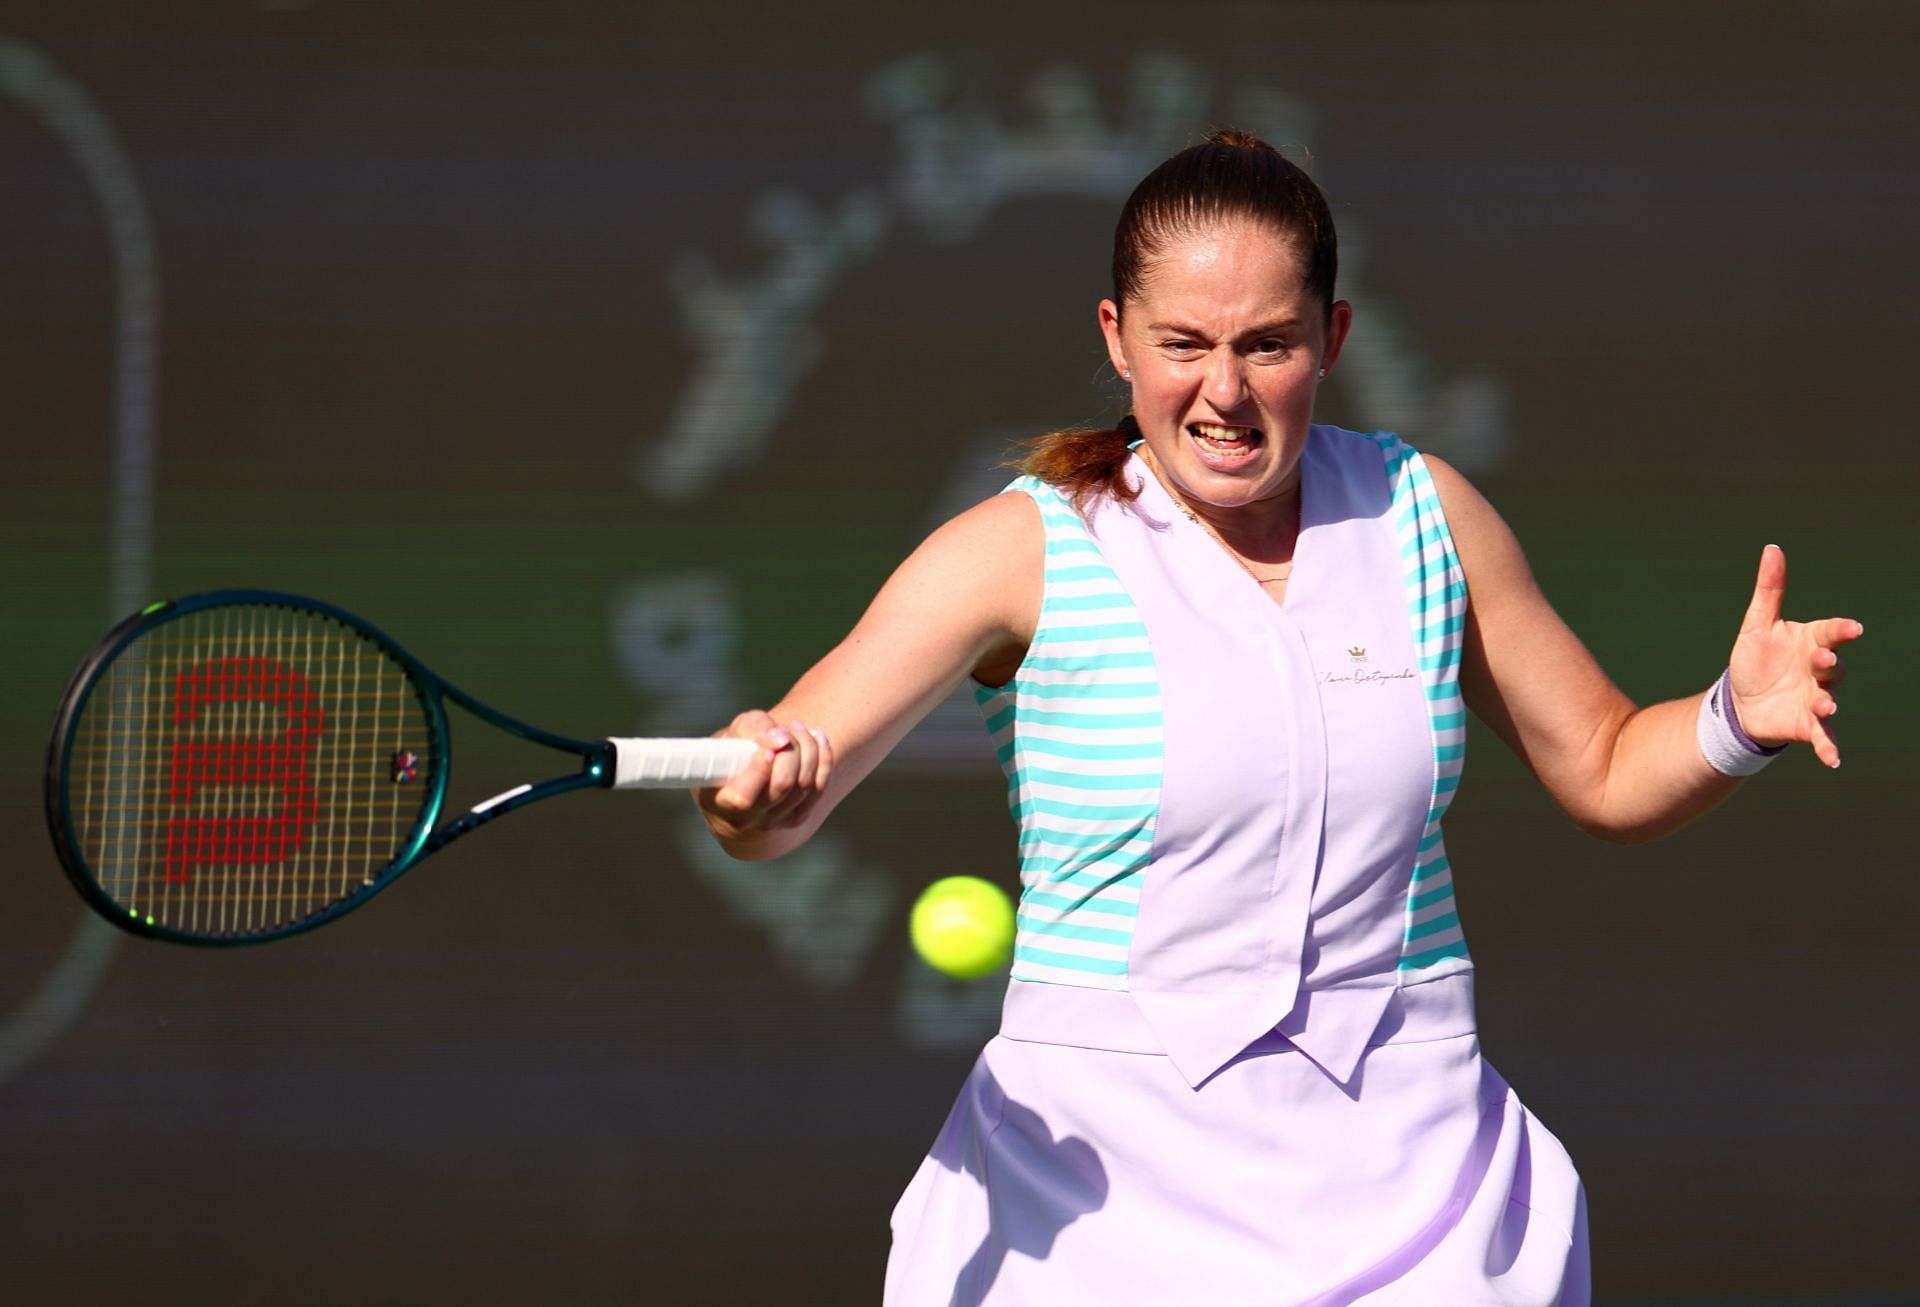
<point>1656,780</point>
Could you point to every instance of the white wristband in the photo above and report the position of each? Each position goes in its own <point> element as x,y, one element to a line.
<point>1727,747</point>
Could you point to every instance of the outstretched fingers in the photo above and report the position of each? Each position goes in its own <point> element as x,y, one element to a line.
<point>1828,669</point>
<point>1831,632</point>
<point>1769,590</point>
<point>1785,675</point>
<point>1826,745</point>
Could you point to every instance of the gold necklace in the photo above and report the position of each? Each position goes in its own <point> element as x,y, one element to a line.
<point>1286,569</point>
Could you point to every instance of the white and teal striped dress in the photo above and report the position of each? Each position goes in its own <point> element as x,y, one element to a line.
<point>1237,1061</point>
<point>1077,731</point>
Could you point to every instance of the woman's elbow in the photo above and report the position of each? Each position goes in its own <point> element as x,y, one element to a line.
<point>1628,828</point>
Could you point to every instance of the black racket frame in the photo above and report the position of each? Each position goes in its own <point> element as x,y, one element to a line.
<point>596,766</point>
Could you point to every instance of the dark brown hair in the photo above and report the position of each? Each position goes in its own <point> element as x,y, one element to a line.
<point>1231,176</point>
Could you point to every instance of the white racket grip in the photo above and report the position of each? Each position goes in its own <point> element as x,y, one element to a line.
<point>642,764</point>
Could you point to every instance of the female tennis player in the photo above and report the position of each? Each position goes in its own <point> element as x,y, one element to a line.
<point>1226,655</point>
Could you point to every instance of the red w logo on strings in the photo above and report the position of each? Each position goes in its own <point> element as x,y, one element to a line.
<point>276,764</point>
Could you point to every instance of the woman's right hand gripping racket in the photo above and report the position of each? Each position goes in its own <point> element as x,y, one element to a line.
<point>242,765</point>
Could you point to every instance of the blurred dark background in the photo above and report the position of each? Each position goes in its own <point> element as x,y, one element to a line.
<point>610,355</point>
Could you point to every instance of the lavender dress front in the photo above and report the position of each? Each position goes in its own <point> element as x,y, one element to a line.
<point>1237,1062</point>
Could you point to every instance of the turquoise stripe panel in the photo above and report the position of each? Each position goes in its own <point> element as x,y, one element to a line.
<point>1414,961</point>
<point>1088,720</point>
<point>1106,685</point>
<point>1064,930</point>
<point>1435,598</point>
<point>1141,814</point>
<point>1105,867</point>
<point>1095,690</point>
<point>1075,780</point>
<point>1056,548</point>
<point>1111,869</point>
<point>1447,626</point>
<point>1097,880</point>
<point>1112,865</point>
<point>1111,907</point>
<point>1066,572</point>
<point>1127,659</point>
<point>1039,833</point>
<point>1069,961</point>
<point>1420,930</point>
<point>1090,632</point>
<point>1433,584</point>
<point>1112,862</point>
<point>1046,748</point>
<point>1092,721</point>
<point>1103,752</point>
<point>1095,603</point>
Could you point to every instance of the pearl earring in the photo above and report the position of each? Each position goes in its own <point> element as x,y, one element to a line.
<point>1323,374</point>
<point>1128,375</point>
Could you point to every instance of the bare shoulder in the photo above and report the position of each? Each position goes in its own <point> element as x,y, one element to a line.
<point>978,579</point>
<point>1465,506</point>
<point>1002,531</point>
<point>1489,552</point>
<point>993,553</point>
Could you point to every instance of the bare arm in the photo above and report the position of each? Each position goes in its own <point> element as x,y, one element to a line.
<point>1620,771</point>
<point>964,603</point>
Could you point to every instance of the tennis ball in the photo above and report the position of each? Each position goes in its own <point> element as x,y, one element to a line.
<point>963,926</point>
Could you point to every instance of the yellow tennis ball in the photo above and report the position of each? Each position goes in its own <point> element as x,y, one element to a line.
<point>963,925</point>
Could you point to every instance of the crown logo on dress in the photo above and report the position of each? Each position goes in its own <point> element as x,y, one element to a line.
<point>1358,653</point>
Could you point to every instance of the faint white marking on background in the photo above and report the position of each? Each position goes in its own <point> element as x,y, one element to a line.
<point>821,910</point>
<point>958,158</point>
<point>30,80</point>
<point>676,639</point>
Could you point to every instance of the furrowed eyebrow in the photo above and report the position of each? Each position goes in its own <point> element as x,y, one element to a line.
<point>1279,326</point>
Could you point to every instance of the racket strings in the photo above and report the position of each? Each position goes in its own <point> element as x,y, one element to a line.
<point>242,768</point>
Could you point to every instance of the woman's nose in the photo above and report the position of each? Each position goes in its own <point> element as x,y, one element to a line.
<point>1226,384</point>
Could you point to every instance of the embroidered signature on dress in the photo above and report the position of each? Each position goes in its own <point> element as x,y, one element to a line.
<point>1363,676</point>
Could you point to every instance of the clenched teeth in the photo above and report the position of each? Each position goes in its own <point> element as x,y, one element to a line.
<point>1225,440</point>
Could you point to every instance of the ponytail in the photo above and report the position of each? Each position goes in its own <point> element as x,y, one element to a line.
<point>1083,463</point>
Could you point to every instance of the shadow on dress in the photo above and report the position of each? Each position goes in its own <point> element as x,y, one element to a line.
<point>1472,1176</point>
<point>1037,1186</point>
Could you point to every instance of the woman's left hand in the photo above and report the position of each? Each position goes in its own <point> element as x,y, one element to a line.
<point>1784,675</point>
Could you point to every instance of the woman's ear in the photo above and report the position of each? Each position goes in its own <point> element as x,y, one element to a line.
<point>1339,323</point>
<point>1110,328</point>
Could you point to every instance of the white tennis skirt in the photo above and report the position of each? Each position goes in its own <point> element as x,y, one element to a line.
<point>1069,1175</point>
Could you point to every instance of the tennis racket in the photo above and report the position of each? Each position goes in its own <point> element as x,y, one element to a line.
<point>243,765</point>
